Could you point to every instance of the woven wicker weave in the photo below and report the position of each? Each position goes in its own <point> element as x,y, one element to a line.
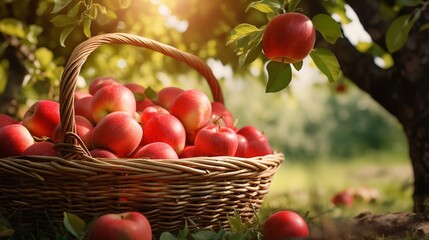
<point>35,190</point>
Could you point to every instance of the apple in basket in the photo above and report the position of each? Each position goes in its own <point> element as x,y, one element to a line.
<point>193,108</point>
<point>15,138</point>
<point>167,95</point>
<point>285,224</point>
<point>121,226</point>
<point>117,132</point>
<point>6,120</point>
<point>41,149</point>
<point>216,141</point>
<point>100,82</point>
<point>156,150</point>
<point>112,98</point>
<point>139,93</point>
<point>84,129</point>
<point>42,117</point>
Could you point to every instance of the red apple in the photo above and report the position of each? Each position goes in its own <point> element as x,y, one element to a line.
<point>342,198</point>
<point>257,148</point>
<point>151,111</point>
<point>139,93</point>
<point>112,98</point>
<point>167,95</point>
<point>156,150</point>
<point>79,94</point>
<point>15,138</point>
<point>216,141</point>
<point>100,82</point>
<point>82,107</point>
<point>219,111</point>
<point>123,226</point>
<point>117,132</point>
<point>288,37</point>
<point>83,129</point>
<point>242,147</point>
<point>6,120</point>
<point>102,153</point>
<point>42,118</point>
<point>165,128</point>
<point>252,133</point>
<point>41,149</point>
<point>285,225</point>
<point>188,152</point>
<point>193,108</point>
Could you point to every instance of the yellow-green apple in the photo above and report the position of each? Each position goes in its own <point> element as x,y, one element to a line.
<point>187,152</point>
<point>121,226</point>
<point>156,150</point>
<point>84,129</point>
<point>15,138</point>
<point>285,224</point>
<point>151,111</point>
<point>165,128</point>
<point>42,117</point>
<point>288,37</point>
<point>41,149</point>
<point>216,141</point>
<point>102,153</point>
<point>82,107</point>
<point>193,108</point>
<point>242,147</point>
<point>100,82</point>
<point>167,95</point>
<point>112,98</point>
<point>117,132</point>
<point>221,113</point>
<point>6,120</point>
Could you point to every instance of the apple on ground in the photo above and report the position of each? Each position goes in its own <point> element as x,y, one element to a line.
<point>216,141</point>
<point>288,37</point>
<point>165,128</point>
<point>117,132</point>
<point>41,149</point>
<point>128,225</point>
<point>167,95</point>
<point>193,108</point>
<point>100,82</point>
<point>156,150</point>
<point>6,120</point>
<point>42,117</point>
<point>82,107</point>
<point>84,129</point>
<point>285,224</point>
<point>102,153</point>
<point>15,138</point>
<point>112,98</point>
<point>343,199</point>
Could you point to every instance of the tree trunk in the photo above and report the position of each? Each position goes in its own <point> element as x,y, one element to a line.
<point>403,90</point>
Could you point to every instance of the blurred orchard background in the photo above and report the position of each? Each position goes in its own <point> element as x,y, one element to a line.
<point>334,135</point>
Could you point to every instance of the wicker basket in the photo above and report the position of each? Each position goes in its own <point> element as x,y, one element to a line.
<point>35,190</point>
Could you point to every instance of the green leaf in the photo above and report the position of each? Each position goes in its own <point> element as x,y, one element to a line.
<point>204,235</point>
<point>298,65</point>
<point>397,33</point>
<point>292,5</point>
<point>64,20</point>
<point>150,93</point>
<point>239,31</point>
<point>408,3</point>
<point>328,27</point>
<point>74,10</point>
<point>167,236</point>
<point>261,6</point>
<point>44,56</point>
<point>279,76</point>
<point>65,33</point>
<point>326,62</point>
<point>87,26</point>
<point>235,222</point>
<point>6,229</point>
<point>12,27</point>
<point>74,224</point>
<point>60,4</point>
<point>424,27</point>
<point>250,56</point>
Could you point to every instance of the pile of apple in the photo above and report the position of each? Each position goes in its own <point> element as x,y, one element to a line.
<point>118,120</point>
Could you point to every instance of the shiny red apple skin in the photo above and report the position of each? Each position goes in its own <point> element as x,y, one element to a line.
<point>288,37</point>
<point>193,108</point>
<point>42,117</point>
<point>100,82</point>
<point>285,224</point>
<point>167,95</point>
<point>156,150</point>
<point>102,153</point>
<point>117,132</point>
<point>216,141</point>
<point>6,120</point>
<point>121,226</point>
<point>15,138</point>
<point>84,129</point>
<point>112,98</point>
<point>41,149</point>
<point>258,149</point>
<point>82,107</point>
<point>219,110</point>
<point>242,146</point>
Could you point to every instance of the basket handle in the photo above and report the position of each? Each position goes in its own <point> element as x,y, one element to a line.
<point>81,53</point>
